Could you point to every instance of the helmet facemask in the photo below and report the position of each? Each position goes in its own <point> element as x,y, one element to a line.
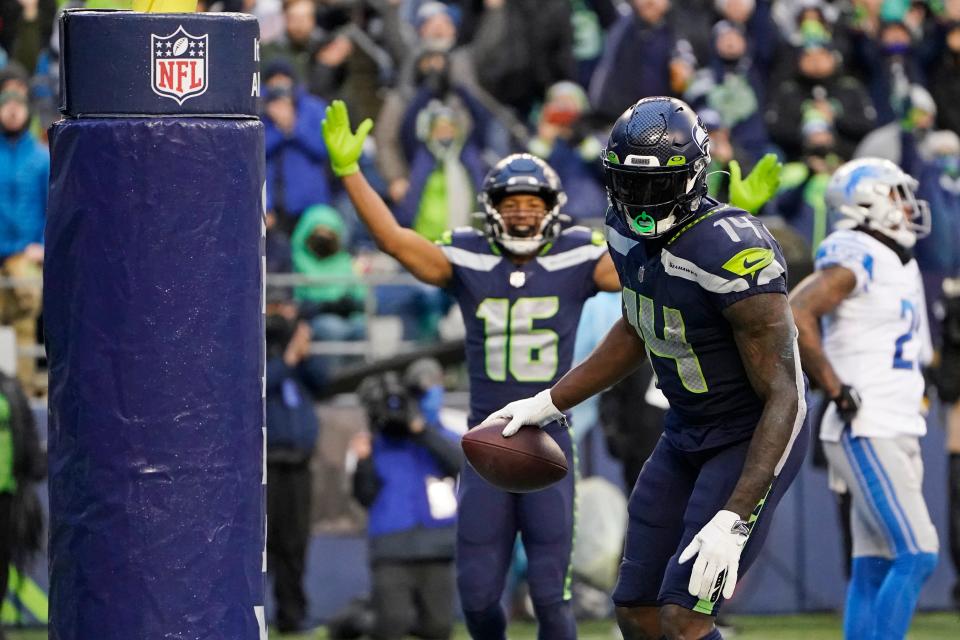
<point>891,209</point>
<point>497,229</point>
<point>655,200</point>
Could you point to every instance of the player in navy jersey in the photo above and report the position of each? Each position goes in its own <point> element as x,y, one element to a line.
<point>704,289</point>
<point>521,285</point>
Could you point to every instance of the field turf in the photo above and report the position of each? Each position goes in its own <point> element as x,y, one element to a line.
<point>928,626</point>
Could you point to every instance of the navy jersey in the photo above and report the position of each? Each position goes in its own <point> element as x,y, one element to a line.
<point>674,297</point>
<point>521,320</point>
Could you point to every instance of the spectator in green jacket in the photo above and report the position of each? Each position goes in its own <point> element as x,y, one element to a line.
<point>334,310</point>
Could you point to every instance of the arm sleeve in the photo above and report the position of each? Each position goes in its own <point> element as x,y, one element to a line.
<point>366,484</point>
<point>847,253</point>
<point>441,446</point>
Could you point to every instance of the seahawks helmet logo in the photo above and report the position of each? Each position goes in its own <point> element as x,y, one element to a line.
<point>701,138</point>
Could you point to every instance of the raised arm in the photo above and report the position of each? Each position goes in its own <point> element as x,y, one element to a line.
<point>425,260</point>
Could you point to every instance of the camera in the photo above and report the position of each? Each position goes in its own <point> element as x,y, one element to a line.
<point>389,407</point>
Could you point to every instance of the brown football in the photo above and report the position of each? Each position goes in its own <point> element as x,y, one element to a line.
<point>529,460</point>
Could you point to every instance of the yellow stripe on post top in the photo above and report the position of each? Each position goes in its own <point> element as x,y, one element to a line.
<point>165,6</point>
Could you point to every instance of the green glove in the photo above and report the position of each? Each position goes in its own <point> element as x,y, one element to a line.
<point>343,146</point>
<point>760,185</point>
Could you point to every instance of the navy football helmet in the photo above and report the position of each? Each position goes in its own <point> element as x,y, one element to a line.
<point>655,165</point>
<point>527,174</point>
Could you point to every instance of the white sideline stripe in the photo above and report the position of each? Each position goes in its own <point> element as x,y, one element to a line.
<point>620,243</point>
<point>801,406</point>
<point>572,258</point>
<point>261,621</point>
<point>470,260</point>
<point>687,270</point>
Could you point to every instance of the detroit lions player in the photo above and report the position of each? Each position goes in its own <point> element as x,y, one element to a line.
<point>521,286</point>
<point>704,289</point>
<point>867,294</point>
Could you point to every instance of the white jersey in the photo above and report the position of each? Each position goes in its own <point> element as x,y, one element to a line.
<point>877,338</point>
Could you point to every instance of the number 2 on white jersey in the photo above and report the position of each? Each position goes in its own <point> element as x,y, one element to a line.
<point>906,309</point>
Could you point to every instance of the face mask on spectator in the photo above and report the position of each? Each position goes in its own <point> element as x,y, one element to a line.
<point>323,242</point>
<point>896,48</point>
<point>437,81</point>
<point>14,113</point>
<point>274,93</point>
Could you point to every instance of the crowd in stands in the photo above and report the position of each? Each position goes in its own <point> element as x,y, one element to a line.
<point>453,86</point>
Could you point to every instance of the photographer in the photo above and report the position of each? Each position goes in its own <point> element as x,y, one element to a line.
<point>405,477</point>
<point>292,426</point>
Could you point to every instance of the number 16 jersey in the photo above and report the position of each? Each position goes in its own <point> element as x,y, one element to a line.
<point>674,294</point>
<point>521,320</point>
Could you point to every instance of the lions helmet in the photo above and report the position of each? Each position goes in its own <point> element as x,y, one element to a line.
<point>522,173</point>
<point>878,195</point>
<point>655,165</point>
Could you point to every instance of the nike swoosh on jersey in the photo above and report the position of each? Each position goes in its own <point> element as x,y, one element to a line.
<point>749,261</point>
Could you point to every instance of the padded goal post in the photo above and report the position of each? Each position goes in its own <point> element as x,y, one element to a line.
<point>153,299</point>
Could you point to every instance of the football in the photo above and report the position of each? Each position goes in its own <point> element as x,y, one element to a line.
<point>180,46</point>
<point>530,460</point>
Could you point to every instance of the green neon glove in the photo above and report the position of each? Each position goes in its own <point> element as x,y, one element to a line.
<point>343,146</point>
<point>759,186</point>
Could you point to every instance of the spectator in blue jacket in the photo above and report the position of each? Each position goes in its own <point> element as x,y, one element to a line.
<point>406,469</point>
<point>24,172</point>
<point>296,155</point>
<point>293,378</point>
<point>891,65</point>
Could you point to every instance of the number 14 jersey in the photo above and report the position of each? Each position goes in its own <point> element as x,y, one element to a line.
<point>674,294</point>
<point>521,320</point>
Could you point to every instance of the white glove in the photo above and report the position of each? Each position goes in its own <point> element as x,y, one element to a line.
<point>719,544</point>
<point>538,410</point>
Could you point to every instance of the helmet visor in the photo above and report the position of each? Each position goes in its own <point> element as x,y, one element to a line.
<point>647,187</point>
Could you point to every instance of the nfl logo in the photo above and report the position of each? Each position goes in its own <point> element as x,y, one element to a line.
<point>179,65</point>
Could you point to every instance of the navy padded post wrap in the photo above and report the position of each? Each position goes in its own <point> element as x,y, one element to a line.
<point>154,324</point>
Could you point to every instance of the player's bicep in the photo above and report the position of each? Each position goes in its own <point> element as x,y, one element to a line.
<point>765,334</point>
<point>822,291</point>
